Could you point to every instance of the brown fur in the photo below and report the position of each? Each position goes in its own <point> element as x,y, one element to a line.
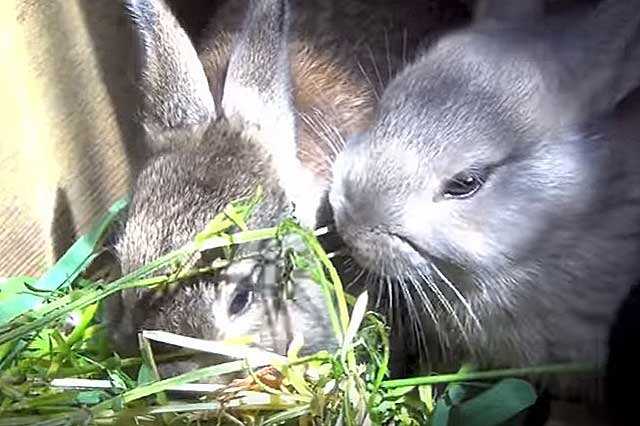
<point>332,102</point>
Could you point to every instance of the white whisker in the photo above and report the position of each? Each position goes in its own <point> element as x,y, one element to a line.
<point>429,308</point>
<point>404,47</point>
<point>374,89</point>
<point>388,53</point>
<point>416,324</point>
<point>447,305</point>
<point>319,126</point>
<point>357,278</point>
<point>375,67</point>
<point>459,295</point>
<point>390,289</point>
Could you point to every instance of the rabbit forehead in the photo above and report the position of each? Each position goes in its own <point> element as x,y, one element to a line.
<point>434,109</point>
<point>179,192</point>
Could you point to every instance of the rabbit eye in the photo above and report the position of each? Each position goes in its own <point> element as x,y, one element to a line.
<point>462,185</point>
<point>241,301</point>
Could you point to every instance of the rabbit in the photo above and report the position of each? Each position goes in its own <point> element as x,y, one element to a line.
<point>264,128</point>
<point>495,197</point>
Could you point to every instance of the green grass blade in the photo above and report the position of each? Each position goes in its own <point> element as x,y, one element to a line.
<point>66,269</point>
<point>163,385</point>
<point>577,368</point>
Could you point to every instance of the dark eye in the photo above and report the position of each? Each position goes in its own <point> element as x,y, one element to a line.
<point>462,185</point>
<point>241,301</point>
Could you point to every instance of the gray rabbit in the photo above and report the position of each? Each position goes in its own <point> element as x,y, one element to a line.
<point>497,196</point>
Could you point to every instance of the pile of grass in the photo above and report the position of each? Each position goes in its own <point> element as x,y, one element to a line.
<point>56,367</point>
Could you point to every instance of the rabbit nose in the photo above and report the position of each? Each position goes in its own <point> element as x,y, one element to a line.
<point>356,210</point>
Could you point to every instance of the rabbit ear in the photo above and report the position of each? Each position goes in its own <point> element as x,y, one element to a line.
<point>176,103</point>
<point>257,95</point>
<point>257,99</point>
<point>601,55</point>
<point>508,10</point>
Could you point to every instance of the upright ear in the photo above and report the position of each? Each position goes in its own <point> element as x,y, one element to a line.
<point>176,103</point>
<point>508,10</point>
<point>257,94</point>
<point>612,52</point>
<point>601,55</point>
<point>257,98</point>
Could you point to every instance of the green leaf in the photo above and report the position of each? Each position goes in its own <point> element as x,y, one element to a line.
<point>145,375</point>
<point>493,407</point>
<point>91,397</point>
<point>66,269</point>
<point>148,372</point>
<point>120,379</point>
<point>454,394</point>
<point>441,413</point>
<point>397,392</point>
<point>10,351</point>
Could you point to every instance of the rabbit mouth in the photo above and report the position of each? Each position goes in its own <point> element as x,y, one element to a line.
<point>410,283</point>
<point>386,254</point>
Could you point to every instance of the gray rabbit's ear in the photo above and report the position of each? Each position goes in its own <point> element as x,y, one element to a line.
<point>602,55</point>
<point>508,10</point>
<point>258,98</point>
<point>176,102</point>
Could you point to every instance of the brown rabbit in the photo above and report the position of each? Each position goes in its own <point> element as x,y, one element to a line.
<point>215,134</point>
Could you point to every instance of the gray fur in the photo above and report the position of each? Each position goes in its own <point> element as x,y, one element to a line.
<point>167,117</point>
<point>538,260</point>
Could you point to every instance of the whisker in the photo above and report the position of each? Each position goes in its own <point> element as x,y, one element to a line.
<point>337,141</point>
<point>380,291</point>
<point>349,265</point>
<point>374,89</point>
<point>319,126</point>
<point>459,295</point>
<point>447,305</point>
<point>430,310</point>
<point>416,324</point>
<point>388,53</point>
<point>390,290</point>
<point>375,67</point>
<point>357,278</point>
<point>425,299</point>
<point>404,47</point>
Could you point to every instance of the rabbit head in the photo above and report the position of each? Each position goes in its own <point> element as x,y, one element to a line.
<point>486,198</point>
